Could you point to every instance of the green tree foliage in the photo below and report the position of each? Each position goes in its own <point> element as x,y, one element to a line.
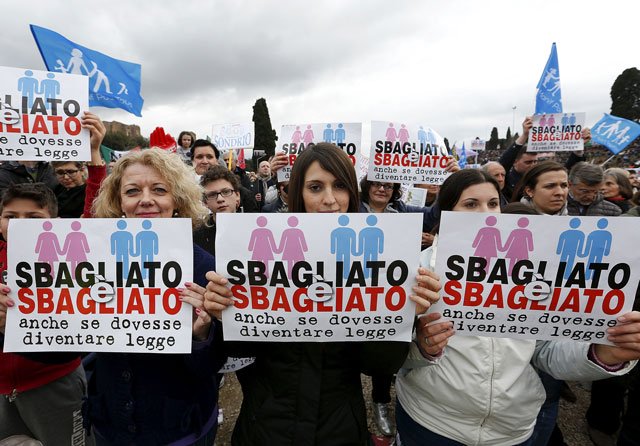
<point>121,142</point>
<point>265,135</point>
<point>494,140</point>
<point>625,95</point>
<point>508,133</point>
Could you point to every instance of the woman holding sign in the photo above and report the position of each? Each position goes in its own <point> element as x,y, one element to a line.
<point>310,393</point>
<point>484,390</point>
<point>153,398</point>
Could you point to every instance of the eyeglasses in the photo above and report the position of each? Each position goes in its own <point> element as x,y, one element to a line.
<point>212,196</point>
<point>386,186</point>
<point>69,172</point>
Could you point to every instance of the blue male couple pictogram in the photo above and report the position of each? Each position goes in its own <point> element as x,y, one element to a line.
<point>572,244</point>
<point>124,246</point>
<point>368,243</point>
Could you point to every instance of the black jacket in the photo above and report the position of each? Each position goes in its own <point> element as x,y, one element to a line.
<point>309,394</point>
<point>14,173</point>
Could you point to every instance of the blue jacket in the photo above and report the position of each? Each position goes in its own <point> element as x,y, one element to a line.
<point>155,399</point>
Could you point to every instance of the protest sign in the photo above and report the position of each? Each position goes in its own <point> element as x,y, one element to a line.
<point>293,139</point>
<point>415,196</point>
<point>319,277</point>
<point>233,136</point>
<point>235,364</point>
<point>99,285</point>
<point>40,116</point>
<point>536,276</point>
<point>477,144</point>
<point>556,132</point>
<point>403,154</point>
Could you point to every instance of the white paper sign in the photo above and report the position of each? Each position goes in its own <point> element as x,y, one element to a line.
<point>416,196</point>
<point>547,277</point>
<point>293,139</point>
<point>406,154</point>
<point>99,285</point>
<point>556,132</point>
<point>40,115</point>
<point>233,136</point>
<point>319,277</point>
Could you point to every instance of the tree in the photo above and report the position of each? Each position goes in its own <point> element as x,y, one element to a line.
<point>508,137</point>
<point>625,95</point>
<point>494,140</point>
<point>265,135</point>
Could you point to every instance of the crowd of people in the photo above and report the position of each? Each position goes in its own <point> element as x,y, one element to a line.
<point>451,390</point>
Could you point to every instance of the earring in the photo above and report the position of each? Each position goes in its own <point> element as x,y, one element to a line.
<point>175,213</point>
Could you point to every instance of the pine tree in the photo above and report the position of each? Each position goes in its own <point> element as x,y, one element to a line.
<point>265,135</point>
<point>508,133</point>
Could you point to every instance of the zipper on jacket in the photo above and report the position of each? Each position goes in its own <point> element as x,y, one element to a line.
<point>493,369</point>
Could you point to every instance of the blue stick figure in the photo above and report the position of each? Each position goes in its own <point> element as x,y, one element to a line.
<point>50,88</point>
<point>146,246</point>
<point>371,242</point>
<point>340,135</point>
<point>598,245</point>
<point>327,134</point>
<point>28,86</point>
<point>570,245</point>
<point>343,244</point>
<point>122,246</point>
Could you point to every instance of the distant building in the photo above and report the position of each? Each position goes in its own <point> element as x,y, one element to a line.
<point>118,127</point>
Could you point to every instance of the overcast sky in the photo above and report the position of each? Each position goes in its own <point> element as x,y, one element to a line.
<point>456,66</point>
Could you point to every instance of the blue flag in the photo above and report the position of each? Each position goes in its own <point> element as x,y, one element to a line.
<point>549,97</point>
<point>113,83</point>
<point>614,133</point>
<point>462,160</point>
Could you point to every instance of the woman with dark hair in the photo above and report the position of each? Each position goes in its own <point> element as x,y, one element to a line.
<point>185,143</point>
<point>485,390</point>
<point>310,393</point>
<point>617,188</point>
<point>70,191</point>
<point>545,187</point>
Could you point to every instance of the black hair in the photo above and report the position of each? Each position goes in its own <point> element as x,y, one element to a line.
<point>39,193</point>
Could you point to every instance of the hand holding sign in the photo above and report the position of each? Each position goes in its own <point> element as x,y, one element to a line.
<point>426,290</point>
<point>278,162</point>
<point>5,303</point>
<point>217,296</point>
<point>626,337</point>
<point>97,130</point>
<point>193,294</point>
<point>433,338</point>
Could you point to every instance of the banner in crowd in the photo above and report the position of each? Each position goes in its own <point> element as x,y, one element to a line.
<point>40,116</point>
<point>614,133</point>
<point>415,196</point>
<point>406,154</point>
<point>517,276</point>
<point>556,132</point>
<point>319,277</point>
<point>549,95</point>
<point>477,144</point>
<point>233,136</point>
<point>293,139</point>
<point>99,285</point>
<point>113,83</point>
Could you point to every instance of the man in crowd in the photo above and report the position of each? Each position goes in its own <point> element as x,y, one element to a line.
<point>263,181</point>
<point>496,170</point>
<point>585,198</point>
<point>516,160</point>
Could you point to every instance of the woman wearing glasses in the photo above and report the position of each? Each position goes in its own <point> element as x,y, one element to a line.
<point>71,187</point>
<point>221,194</point>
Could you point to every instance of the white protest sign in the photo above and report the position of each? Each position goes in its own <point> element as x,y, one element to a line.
<point>416,196</point>
<point>99,285</point>
<point>547,277</point>
<point>406,154</point>
<point>235,364</point>
<point>556,132</point>
<point>233,136</point>
<point>319,277</point>
<point>293,139</point>
<point>40,115</point>
<point>477,144</point>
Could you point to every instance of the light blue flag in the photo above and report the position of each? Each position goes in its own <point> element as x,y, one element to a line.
<point>614,133</point>
<point>549,97</point>
<point>113,83</point>
<point>462,161</point>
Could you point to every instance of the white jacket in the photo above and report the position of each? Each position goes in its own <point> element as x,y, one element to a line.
<point>484,391</point>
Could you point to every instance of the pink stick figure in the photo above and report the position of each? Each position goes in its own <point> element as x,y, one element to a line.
<point>47,246</point>
<point>391,135</point>
<point>262,244</point>
<point>292,244</point>
<point>75,246</point>
<point>487,241</point>
<point>307,137</point>
<point>403,134</point>
<point>519,244</point>
<point>297,136</point>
